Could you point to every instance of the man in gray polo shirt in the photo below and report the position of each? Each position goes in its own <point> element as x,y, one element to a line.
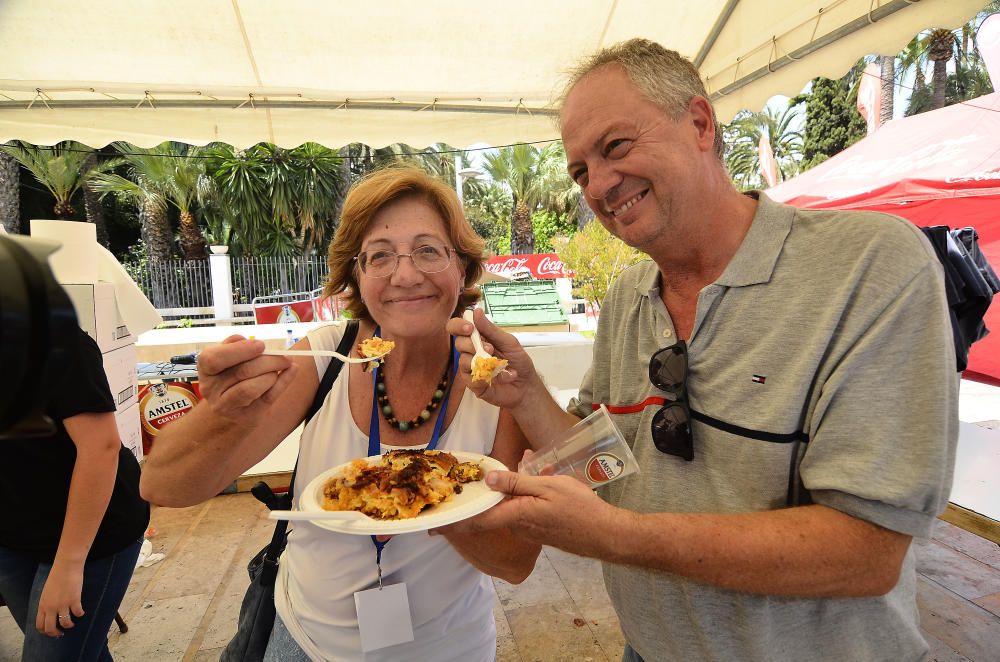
<point>786,380</point>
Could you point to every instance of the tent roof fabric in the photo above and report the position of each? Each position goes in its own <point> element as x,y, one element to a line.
<point>246,71</point>
<point>936,168</point>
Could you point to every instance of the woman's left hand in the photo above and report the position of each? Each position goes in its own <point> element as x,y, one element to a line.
<point>60,599</point>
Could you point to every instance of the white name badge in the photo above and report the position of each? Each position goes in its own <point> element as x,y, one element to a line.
<point>384,617</point>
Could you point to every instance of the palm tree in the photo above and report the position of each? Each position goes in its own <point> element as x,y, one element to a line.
<point>62,169</point>
<point>92,204</point>
<point>188,187</point>
<point>914,57</point>
<point>888,87</point>
<point>743,135</point>
<point>10,185</point>
<point>279,201</point>
<point>520,169</point>
<point>150,174</point>
<point>306,184</point>
<point>941,46</point>
<point>562,195</point>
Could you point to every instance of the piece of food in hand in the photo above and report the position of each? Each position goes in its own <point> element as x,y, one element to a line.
<point>402,484</point>
<point>374,348</point>
<point>485,368</point>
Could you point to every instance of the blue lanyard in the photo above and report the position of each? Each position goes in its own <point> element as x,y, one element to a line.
<point>374,440</point>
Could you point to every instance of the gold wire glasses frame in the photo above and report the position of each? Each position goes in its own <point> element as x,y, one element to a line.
<point>383,263</point>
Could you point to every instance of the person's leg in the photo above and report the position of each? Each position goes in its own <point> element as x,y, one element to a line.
<point>104,584</point>
<point>630,655</point>
<point>281,647</point>
<point>17,573</point>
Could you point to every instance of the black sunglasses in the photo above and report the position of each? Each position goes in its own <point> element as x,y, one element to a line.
<point>671,427</point>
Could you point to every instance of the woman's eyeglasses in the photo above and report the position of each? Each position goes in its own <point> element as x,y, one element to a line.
<point>671,427</point>
<point>383,263</point>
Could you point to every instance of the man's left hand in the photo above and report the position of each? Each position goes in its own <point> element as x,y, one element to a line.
<point>559,511</point>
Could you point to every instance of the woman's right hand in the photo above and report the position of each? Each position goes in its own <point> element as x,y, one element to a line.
<point>238,382</point>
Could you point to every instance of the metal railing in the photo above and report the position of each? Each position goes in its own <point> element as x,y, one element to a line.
<point>268,276</point>
<point>174,283</point>
<point>188,283</point>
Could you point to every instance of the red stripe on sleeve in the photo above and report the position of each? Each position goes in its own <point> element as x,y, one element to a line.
<point>631,409</point>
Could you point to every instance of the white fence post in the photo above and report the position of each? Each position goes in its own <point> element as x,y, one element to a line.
<point>222,286</point>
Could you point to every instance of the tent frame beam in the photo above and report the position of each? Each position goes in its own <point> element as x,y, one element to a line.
<point>845,30</point>
<point>258,104</point>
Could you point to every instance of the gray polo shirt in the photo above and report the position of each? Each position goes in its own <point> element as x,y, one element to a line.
<point>826,323</point>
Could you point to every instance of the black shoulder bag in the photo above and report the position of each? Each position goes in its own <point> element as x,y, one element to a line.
<point>257,611</point>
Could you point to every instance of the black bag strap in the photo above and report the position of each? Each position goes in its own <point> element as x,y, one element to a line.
<point>330,376</point>
<point>263,492</point>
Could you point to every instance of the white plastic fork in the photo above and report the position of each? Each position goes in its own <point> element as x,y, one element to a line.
<point>477,341</point>
<point>322,352</point>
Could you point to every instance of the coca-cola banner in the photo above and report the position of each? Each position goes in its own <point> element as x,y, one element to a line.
<point>540,265</point>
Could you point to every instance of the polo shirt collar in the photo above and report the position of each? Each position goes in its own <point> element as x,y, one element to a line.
<point>756,257</point>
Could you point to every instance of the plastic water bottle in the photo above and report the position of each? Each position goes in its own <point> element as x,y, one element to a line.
<point>289,339</point>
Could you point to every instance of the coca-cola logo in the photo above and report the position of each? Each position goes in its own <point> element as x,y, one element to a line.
<point>545,265</point>
<point>509,265</point>
<point>548,266</point>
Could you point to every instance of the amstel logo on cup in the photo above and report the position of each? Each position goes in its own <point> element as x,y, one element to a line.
<point>604,467</point>
<point>163,403</point>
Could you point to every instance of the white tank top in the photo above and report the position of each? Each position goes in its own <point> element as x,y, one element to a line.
<point>451,602</point>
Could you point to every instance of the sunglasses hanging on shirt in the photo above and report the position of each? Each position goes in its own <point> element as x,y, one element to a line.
<point>671,426</point>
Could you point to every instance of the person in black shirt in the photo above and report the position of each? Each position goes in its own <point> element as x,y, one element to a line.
<point>71,520</point>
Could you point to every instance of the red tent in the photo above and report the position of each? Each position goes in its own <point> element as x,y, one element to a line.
<point>936,168</point>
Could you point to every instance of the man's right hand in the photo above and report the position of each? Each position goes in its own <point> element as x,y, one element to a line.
<point>238,382</point>
<point>510,386</point>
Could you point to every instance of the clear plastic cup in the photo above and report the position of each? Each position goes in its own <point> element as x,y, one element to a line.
<point>592,451</point>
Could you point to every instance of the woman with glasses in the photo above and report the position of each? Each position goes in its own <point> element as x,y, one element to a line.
<point>406,259</point>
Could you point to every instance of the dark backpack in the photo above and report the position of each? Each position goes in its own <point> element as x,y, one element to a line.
<point>970,284</point>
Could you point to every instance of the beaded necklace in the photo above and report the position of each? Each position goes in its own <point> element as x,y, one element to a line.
<point>385,407</point>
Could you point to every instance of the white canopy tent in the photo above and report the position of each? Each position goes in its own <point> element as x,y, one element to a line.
<point>384,71</point>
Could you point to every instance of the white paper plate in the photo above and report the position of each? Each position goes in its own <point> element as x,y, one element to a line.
<point>474,499</point>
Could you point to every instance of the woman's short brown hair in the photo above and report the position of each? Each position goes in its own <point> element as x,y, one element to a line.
<point>372,193</point>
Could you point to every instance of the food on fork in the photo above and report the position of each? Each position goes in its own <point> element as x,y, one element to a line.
<point>400,485</point>
<point>485,368</point>
<point>374,347</point>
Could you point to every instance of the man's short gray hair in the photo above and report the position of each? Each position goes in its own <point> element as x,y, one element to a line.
<point>662,76</point>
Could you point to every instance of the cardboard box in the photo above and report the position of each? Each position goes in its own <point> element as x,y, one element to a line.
<point>130,429</point>
<point>119,366</point>
<point>98,315</point>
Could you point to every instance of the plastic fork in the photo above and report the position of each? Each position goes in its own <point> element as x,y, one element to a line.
<point>477,341</point>
<point>322,352</point>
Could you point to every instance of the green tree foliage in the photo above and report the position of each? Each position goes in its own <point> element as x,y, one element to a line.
<point>742,137</point>
<point>488,208</point>
<point>549,226</point>
<point>62,169</point>
<point>597,258</point>
<point>155,177</point>
<point>527,172</point>
<point>833,122</point>
<point>276,201</point>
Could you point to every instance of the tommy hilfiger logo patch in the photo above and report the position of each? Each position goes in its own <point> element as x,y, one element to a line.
<point>758,379</point>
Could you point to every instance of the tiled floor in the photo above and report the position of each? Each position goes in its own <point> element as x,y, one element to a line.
<point>185,607</point>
